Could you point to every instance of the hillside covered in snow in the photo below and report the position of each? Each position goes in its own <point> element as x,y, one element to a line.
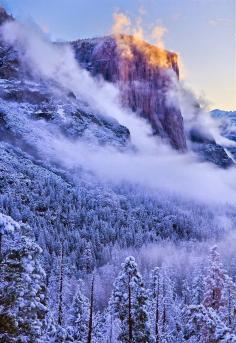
<point>115,188</point>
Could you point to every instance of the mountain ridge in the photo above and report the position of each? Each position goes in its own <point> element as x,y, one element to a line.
<point>80,191</point>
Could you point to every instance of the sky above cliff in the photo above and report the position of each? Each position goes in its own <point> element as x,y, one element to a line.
<point>201,31</point>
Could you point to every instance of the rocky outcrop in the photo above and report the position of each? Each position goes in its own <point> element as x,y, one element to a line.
<point>9,62</point>
<point>47,102</point>
<point>4,16</point>
<point>26,106</point>
<point>144,75</point>
<point>227,125</point>
<point>208,150</point>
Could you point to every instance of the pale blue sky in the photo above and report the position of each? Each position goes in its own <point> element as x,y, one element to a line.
<point>202,31</point>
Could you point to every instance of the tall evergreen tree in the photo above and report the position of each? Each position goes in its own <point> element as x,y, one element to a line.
<point>91,313</point>
<point>197,286</point>
<point>203,325</point>
<point>155,307</point>
<point>186,292</point>
<point>220,290</point>
<point>129,304</point>
<point>22,289</point>
<point>61,284</point>
<point>214,282</point>
<point>228,312</point>
<point>212,320</point>
<point>80,317</point>
<point>87,259</point>
<point>163,308</point>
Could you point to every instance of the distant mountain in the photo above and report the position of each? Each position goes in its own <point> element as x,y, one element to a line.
<point>220,113</point>
<point>227,120</point>
<point>69,215</point>
<point>227,124</point>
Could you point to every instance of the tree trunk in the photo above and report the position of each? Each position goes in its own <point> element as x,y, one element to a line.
<point>157,311</point>
<point>0,246</point>
<point>130,324</point>
<point>90,324</point>
<point>61,277</point>
<point>229,307</point>
<point>164,319</point>
<point>111,330</point>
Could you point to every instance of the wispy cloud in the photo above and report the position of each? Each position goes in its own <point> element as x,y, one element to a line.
<point>220,21</point>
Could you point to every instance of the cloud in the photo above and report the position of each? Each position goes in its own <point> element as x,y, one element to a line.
<point>57,63</point>
<point>164,170</point>
<point>127,32</point>
<point>121,24</point>
<point>152,164</point>
<point>220,21</point>
<point>157,35</point>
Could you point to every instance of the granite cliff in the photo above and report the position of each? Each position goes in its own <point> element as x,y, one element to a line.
<point>144,75</point>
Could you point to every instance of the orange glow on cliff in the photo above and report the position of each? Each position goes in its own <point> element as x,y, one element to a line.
<point>130,37</point>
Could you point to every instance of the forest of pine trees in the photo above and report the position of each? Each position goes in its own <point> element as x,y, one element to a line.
<point>79,244</point>
<point>155,308</point>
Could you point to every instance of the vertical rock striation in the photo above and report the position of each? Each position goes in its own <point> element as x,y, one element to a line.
<point>145,76</point>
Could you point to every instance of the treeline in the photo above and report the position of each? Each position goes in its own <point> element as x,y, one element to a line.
<point>202,309</point>
<point>91,217</point>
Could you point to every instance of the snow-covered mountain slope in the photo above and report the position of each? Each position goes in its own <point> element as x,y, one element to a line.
<point>145,88</point>
<point>85,179</point>
<point>220,113</point>
<point>81,209</point>
<point>227,121</point>
<point>72,205</point>
<point>42,120</point>
<point>28,107</point>
<point>227,124</point>
<point>207,149</point>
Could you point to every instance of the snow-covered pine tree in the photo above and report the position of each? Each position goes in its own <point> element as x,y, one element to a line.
<point>155,303</point>
<point>63,333</point>
<point>87,259</point>
<point>197,286</point>
<point>212,321</point>
<point>129,305</point>
<point>203,325</point>
<point>80,317</point>
<point>61,284</point>
<point>186,292</point>
<point>110,325</point>
<point>164,311</point>
<point>51,329</point>
<point>22,286</point>
<point>8,317</point>
<point>220,290</point>
<point>214,282</point>
<point>7,227</point>
<point>228,312</point>
<point>100,328</point>
<point>91,313</point>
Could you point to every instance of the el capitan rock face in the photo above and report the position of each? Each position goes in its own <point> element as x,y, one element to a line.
<point>144,74</point>
<point>144,77</point>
